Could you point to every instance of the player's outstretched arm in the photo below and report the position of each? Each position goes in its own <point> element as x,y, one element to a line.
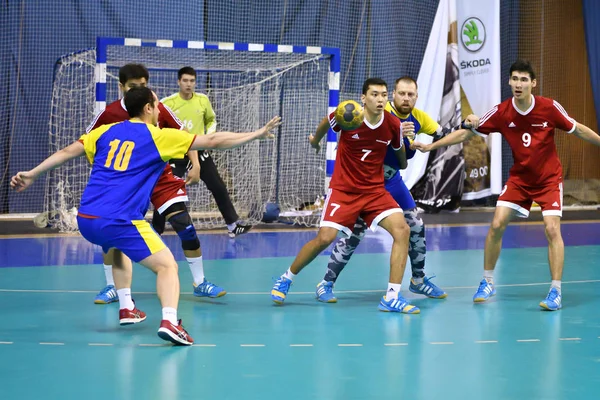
<point>455,137</point>
<point>585,133</point>
<point>22,180</point>
<point>315,140</point>
<point>228,140</point>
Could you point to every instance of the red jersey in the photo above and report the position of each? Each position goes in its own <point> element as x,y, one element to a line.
<point>116,112</point>
<point>360,154</point>
<point>530,135</point>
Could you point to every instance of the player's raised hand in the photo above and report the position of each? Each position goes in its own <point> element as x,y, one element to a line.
<point>408,130</point>
<point>21,181</point>
<point>314,143</point>
<point>422,147</point>
<point>472,121</point>
<point>266,130</point>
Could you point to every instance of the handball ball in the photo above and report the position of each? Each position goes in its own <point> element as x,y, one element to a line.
<point>349,115</point>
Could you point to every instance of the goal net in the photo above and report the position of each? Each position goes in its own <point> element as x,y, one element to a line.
<point>246,84</point>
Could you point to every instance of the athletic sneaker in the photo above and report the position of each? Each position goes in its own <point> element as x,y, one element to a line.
<point>280,289</point>
<point>207,289</point>
<point>553,301</point>
<point>427,288</point>
<point>400,305</point>
<point>174,333</point>
<point>106,295</point>
<point>325,292</point>
<point>485,291</point>
<point>239,230</point>
<point>128,317</point>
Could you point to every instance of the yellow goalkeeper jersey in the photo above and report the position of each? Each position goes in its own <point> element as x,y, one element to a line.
<point>196,114</point>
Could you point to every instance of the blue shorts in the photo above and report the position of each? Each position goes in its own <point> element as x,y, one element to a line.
<point>136,239</point>
<point>397,188</point>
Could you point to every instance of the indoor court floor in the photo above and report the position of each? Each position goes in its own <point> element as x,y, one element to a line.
<point>56,344</point>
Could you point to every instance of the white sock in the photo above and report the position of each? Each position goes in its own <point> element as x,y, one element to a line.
<point>488,275</point>
<point>108,275</point>
<point>197,268</point>
<point>556,284</point>
<point>125,299</point>
<point>288,274</point>
<point>417,281</point>
<point>392,291</point>
<point>231,227</point>
<point>170,314</point>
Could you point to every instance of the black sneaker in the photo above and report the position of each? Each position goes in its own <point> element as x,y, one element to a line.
<point>239,230</point>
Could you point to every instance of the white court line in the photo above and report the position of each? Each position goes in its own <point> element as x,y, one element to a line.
<point>569,338</point>
<point>154,344</point>
<point>395,344</point>
<point>51,344</point>
<point>486,341</point>
<point>295,293</point>
<point>527,340</point>
<point>441,342</point>
<point>252,345</point>
<point>349,345</point>
<point>204,345</point>
<point>100,344</point>
<point>6,342</point>
<point>301,345</point>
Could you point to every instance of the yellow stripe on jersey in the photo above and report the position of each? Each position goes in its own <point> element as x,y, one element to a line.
<point>151,238</point>
<point>171,143</point>
<point>427,124</point>
<point>89,141</point>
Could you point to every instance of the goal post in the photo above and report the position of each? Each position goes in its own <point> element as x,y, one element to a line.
<point>247,84</point>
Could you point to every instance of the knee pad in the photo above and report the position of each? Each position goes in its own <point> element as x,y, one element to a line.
<point>183,225</point>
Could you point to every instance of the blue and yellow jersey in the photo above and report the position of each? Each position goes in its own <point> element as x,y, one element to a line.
<point>127,159</point>
<point>423,124</point>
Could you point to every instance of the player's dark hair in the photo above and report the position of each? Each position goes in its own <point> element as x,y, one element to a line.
<point>186,71</point>
<point>132,71</point>
<point>406,78</point>
<point>522,66</point>
<point>136,99</point>
<point>373,82</point>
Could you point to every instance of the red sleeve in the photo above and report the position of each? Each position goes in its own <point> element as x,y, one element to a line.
<point>490,122</point>
<point>333,124</point>
<point>561,119</point>
<point>99,120</point>
<point>167,118</point>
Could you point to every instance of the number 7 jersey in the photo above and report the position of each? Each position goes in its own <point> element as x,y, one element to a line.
<point>127,159</point>
<point>530,135</point>
<point>361,152</point>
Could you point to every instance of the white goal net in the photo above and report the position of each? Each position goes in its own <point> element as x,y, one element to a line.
<point>246,89</point>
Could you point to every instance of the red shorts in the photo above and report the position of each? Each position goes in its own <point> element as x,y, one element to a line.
<point>342,209</point>
<point>169,189</point>
<point>519,197</point>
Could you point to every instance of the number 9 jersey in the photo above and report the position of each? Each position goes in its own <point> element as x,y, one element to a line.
<point>127,159</point>
<point>530,135</point>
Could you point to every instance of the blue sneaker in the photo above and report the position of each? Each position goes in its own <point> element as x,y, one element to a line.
<point>325,292</point>
<point>485,291</point>
<point>400,305</point>
<point>207,289</point>
<point>280,289</point>
<point>107,295</point>
<point>553,301</point>
<point>427,288</point>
